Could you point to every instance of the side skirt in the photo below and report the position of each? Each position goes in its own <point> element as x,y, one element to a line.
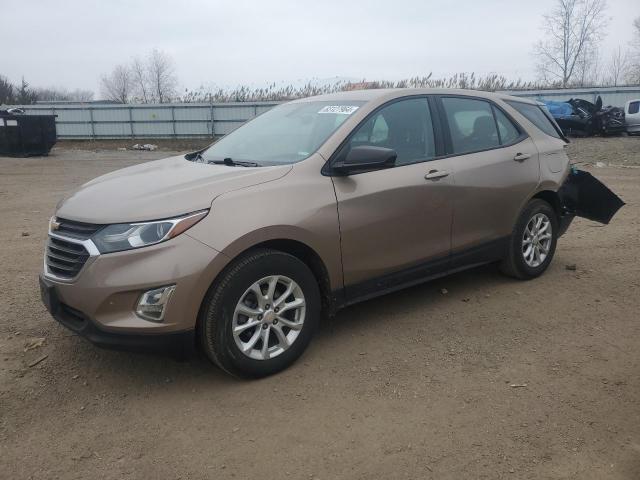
<point>424,272</point>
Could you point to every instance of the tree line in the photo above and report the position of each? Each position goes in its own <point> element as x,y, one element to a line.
<point>569,55</point>
<point>24,94</point>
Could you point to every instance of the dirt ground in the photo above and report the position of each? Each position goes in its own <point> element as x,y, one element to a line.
<point>494,379</point>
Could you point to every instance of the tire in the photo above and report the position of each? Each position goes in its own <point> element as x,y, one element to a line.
<point>234,293</point>
<point>517,263</point>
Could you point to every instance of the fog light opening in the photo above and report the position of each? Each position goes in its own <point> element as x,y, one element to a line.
<point>153,303</point>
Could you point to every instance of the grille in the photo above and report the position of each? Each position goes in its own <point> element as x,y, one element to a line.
<point>79,230</point>
<point>65,259</point>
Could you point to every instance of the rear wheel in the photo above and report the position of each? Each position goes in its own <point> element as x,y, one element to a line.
<point>260,315</point>
<point>533,241</point>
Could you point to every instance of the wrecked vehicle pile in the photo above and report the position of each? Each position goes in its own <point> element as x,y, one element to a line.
<point>579,117</point>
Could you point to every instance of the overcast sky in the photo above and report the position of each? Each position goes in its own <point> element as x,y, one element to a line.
<point>70,43</point>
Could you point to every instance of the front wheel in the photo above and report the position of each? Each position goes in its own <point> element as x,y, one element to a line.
<point>259,317</point>
<point>533,241</point>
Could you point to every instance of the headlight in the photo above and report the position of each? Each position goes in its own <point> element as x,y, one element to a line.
<point>125,236</point>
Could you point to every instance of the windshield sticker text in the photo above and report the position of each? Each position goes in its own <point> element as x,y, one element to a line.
<point>339,109</point>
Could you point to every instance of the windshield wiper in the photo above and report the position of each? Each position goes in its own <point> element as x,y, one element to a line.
<point>234,163</point>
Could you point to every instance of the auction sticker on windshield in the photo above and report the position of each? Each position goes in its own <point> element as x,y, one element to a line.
<point>339,109</point>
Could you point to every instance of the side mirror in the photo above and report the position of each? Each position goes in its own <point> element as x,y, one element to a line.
<point>366,157</point>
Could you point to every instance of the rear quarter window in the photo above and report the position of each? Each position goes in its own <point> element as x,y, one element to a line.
<point>634,107</point>
<point>538,117</point>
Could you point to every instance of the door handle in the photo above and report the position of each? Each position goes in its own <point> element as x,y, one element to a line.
<point>521,157</point>
<point>436,174</point>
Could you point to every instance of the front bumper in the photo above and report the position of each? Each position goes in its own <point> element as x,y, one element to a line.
<point>177,343</point>
<point>100,302</point>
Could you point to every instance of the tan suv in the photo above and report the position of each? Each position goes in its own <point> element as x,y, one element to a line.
<point>312,206</point>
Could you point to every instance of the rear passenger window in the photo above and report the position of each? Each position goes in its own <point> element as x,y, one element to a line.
<point>537,116</point>
<point>634,107</point>
<point>471,124</point>
<point>506,129</point>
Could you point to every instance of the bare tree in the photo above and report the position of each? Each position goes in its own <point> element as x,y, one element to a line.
<point>140,79</point>
<point>162,76</point>
<point>636,34</point>
<point>117,86</point>
<point>25,95</point>
<point>79,95</point>
<point>7,91</point>
<point>633,71</point>
<point>144,80</point>
<point>57,94</point>
<point>588,71</point>
<point>573,30</point>
<point>618,66</point>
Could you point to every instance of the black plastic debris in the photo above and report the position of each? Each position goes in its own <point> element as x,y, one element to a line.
<point>585,196</point>
<point>26,135</point>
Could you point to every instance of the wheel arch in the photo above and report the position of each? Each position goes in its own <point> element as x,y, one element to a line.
<point>296,248</point>
<point>311,259</point>
<point>552,198</point>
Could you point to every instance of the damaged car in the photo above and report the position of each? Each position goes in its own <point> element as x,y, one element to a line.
<point>239,249</point>
<point>577,117</point>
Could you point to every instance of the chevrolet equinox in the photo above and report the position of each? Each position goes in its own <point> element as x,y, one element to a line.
<point>314,205</point>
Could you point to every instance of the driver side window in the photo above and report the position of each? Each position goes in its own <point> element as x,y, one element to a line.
<point>374,132</point>
<point>404,126</point>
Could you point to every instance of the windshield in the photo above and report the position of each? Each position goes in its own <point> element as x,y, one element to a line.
<point>285,134</point>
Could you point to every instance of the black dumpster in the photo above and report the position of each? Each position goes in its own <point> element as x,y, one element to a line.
<point>26,135</point>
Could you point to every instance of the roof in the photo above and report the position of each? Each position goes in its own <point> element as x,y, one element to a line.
<point>391,93</point>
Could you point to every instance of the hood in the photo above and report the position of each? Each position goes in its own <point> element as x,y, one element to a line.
<point>159,189</point>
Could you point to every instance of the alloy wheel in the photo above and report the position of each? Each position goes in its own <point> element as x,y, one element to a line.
<point>536,240</point>
<point>268,317</point>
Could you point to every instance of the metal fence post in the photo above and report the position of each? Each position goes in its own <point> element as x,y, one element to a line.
<point>93,129</point>
<point>173,120</point>
<point>213,132</point>
<point>131,122</point>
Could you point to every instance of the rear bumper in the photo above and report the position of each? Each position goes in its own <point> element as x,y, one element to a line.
<point>178,344</point>
<point>563,224</point>
<point>583,195</point>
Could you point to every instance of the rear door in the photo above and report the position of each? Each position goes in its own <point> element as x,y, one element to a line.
<point>395,223</point>
<point>496,168</point>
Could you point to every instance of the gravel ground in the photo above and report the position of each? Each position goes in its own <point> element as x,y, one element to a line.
<point>494,379</point>
<point>614,151</point>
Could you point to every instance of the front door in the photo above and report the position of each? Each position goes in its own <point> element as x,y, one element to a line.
<point>395,223</point>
